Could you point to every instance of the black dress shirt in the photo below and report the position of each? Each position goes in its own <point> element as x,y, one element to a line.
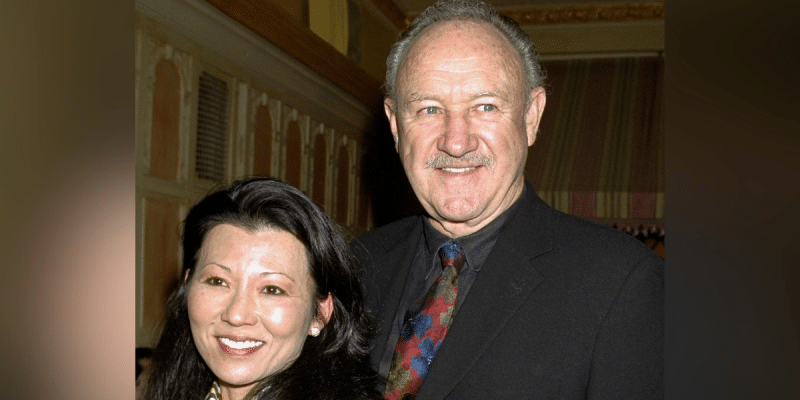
<point>428,267</point>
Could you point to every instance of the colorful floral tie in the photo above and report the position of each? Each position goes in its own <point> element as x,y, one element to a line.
<point>424,327</point>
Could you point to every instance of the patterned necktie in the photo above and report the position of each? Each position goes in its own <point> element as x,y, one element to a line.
<point>424,327</point>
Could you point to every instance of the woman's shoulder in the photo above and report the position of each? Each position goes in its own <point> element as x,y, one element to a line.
<point>355,382</point>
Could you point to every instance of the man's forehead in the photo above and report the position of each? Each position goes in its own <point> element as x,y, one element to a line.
<point>453,41</point>
<point>452,50</point>
<point>453,32</point>
<point>416,96</point>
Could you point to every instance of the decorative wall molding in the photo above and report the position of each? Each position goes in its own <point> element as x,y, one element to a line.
<point>153,51</point>
<point>271,22</point>
<point>197,37</point>
<point>584,14</point>
<point>392,13</point>
<point>588,14</point>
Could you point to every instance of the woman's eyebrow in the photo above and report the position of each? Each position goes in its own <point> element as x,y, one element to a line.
<point>267,273</point>
<point>213,263</point>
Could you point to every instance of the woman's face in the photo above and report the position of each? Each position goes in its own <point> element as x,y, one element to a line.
<point>251,304</point>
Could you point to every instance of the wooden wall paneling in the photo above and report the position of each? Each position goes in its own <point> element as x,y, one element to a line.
<point>379,28</point>
<point>270,21</point>
<point>329,19</point>
<point>331,139</point>
<point>293,158</point>
<point>240,156</point>
<point>305,154</point>
<point>393,13</point>
<point>345,181</point>
<point>342,185</point>
<point>161,261</point>
<point>298,9</point>
<point>364,211</point>
<point>353,178</point>
<point>263,137</point>
<point>287,115</point>
<point>165,129</point>
<point>320,168</point>
<point>164,110</point>
<point>266,89</point>
<point>275,107</point>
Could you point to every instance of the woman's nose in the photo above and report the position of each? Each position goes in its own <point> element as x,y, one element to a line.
<point>240,310</point>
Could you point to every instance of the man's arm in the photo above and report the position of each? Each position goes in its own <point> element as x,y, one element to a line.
<point>628,359</point>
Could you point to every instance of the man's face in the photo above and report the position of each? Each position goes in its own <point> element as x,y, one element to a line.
<point>461,125</point>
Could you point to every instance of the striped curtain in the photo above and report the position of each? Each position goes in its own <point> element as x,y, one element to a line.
<point>599,153</point>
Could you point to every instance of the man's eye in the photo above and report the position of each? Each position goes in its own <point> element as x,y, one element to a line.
<point>215,281</point>
<point>487,107</point>
<point>429,110</point>
<point>274,290</point>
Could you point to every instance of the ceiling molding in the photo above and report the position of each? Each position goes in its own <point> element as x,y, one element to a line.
<point>632,12</point>
<point>268,20</point>
<point>580,14</point>
<point>391,11</point>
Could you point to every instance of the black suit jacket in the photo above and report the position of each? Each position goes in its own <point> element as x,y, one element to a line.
<point>561,309</point>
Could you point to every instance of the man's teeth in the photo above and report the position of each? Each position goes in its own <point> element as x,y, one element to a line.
<point>240,345</point>
<point>458,170</point>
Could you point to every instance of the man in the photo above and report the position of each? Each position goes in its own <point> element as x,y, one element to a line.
<point>493,294</point>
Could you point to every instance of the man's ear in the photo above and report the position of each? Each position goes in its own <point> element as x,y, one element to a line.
<point>389,109</point>
<point>533,114</point>
<point>324,312</point>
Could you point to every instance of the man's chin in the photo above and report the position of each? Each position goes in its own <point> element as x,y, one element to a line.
<point>457,218</point>
<point>458,213</point>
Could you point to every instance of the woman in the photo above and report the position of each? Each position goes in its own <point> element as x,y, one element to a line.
<point>270,306</point>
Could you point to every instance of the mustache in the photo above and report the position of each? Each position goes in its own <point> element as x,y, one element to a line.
<point>443,160</point>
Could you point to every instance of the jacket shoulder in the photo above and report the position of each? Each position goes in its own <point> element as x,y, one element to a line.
<point>595,238</point>
<point>385,236</point>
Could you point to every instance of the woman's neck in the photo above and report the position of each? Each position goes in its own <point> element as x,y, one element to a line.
<point>228,392</point>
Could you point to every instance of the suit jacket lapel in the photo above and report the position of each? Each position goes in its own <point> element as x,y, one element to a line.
<point>507,278</point>
<point>396,264</point>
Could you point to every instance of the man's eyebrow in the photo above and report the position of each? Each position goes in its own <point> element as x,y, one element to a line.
<point>499,95</point>
<point>417,97</point>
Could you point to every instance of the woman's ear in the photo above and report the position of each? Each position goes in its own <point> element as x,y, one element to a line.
<point>324,312</point>
<point>186,276</point>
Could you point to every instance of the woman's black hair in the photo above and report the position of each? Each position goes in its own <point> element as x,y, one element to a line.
<point>334,365</point>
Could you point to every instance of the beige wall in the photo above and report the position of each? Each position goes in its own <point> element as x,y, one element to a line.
<point>312,130</point>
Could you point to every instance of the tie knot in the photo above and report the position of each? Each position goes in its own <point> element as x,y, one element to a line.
<point>452,254</point>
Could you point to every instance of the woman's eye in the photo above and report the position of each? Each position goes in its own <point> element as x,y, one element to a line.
<point>487,107</point>
<point>215,281</point>
<point>274,290</point>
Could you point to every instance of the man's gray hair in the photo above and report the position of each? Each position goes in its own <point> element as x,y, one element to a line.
<point>465,10</point>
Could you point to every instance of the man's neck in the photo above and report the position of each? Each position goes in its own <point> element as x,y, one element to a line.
<point>458,229</point>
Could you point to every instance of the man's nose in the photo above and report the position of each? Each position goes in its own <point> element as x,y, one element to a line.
<point>456,139</point>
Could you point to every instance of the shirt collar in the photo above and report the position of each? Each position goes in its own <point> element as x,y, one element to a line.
<point>476,246</point>
<point>213,394</point>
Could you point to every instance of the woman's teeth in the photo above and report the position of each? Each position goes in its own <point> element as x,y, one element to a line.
<point>240,345</point>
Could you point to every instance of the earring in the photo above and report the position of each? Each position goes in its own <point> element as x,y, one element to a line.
<point>315,332</point>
